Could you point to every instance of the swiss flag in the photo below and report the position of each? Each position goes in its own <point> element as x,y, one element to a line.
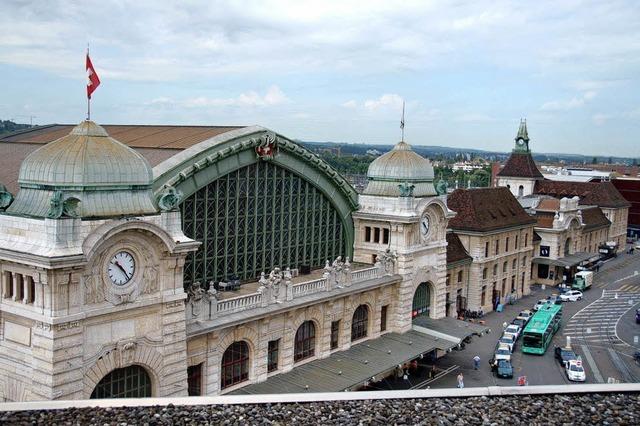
<point>92,78</point>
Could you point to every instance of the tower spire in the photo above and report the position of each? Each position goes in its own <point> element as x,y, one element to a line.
<point>522,131</point>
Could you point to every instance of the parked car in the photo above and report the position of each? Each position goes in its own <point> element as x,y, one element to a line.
<point>504,369</point>
<point>637,316</point>
<point>519,322</point>
<point>575,371</point>
<point>525,315</point>
<point>540,304</point>
<point>571,296</point>
<point>509,340</point>
<point>557,299</point>
<point>502,352</point>
<point>513,329</point>
<point>564,355</point>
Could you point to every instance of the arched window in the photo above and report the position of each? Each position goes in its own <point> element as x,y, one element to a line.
<point>495,269</point>
<point>305,343</point>
<point>360,323</point>
<point>235,364</point>
<point>128,382</point>
<point>421,301</point>
<point>504,267</point>
<point>567,247</point>
<point>484,273</point>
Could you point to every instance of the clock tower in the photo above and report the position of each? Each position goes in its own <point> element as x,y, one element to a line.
<point>91,275</point>
<point>400,211</point>
<point>520,172</point>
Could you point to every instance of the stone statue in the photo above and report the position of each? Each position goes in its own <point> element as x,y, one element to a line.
<point>287,274</point>
<point>196,293</point>
<point>212,293</point>
<point>275,277</point>
<point>169,198</point>
<point>94,293</point>
<point>62,207</point>
<point>388,260</point>
<point>5,197</point>
<point>263,280</point>
<point>406,189</point>
<point>441,186</point>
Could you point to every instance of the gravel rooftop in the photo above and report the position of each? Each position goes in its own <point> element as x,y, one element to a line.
<point>566,409</point>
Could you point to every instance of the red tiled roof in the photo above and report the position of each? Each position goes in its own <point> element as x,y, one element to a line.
<point>455,250</point>
<point>520,165</point>
<point>593,218</point>
<point>601,194</point>
<point>544,219</point>
<point>486,209</point>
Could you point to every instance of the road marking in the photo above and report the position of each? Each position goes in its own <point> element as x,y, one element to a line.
<point>596,373</point>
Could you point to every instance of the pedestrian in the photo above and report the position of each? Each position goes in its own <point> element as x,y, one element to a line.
<point>460,381</point>
<point>504,325</point>
<point>476,362</point>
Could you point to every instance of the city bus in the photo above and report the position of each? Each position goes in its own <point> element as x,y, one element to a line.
<point>540,329</point>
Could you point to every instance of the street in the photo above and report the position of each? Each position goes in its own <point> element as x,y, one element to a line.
<point>601,329</point>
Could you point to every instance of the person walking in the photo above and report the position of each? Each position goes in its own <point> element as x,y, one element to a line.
<point>504,325</point>
<point>460,381</point>
<point>476,362</point>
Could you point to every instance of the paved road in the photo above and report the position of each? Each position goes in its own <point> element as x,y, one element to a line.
<point>601,328</point>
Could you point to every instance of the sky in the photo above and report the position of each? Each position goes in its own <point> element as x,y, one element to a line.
<point>337,70</point>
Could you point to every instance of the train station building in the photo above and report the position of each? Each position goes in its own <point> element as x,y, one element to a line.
<point>182,260</point>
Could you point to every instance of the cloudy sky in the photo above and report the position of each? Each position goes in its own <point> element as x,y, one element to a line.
<point>468,70</point>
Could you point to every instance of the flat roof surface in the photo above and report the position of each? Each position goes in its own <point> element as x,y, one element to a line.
<point>571,260</point>
<point>460,330</point>
<point>351,368</point>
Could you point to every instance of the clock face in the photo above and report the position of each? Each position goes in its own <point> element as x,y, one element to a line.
<point>121,268</point>
<point>520,142</point>
<point>424,225</point>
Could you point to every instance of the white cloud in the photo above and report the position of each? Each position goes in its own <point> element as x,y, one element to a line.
<point>600,119</point>
<point>350,104</point>
<point>573,103</point>
<point>389,100</point>
<point>272,97</point>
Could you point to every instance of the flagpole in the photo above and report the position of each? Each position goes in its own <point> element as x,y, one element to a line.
<point>402,122</point>
<point>88,95</point>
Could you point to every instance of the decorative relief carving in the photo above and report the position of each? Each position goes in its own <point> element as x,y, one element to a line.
<point>59,206</point>
<point>170,198</point>
<point>68,325</point>
<point>43,326</point>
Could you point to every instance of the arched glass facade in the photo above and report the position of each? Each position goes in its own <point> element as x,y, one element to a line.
<point>128,382</point>
<point>421,301</point>
<point>256,218</point>
<point>360,323</point>
<point>235,364</point>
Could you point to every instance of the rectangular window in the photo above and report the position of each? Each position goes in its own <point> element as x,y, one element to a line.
<point>526,240</point>
<point>194,380</point>
<point>335,334</point>
<point>484,274</point>
<point>376,235</point>
<point>506,245</point>
<point>516,242</point>
<point>486,249</point>
<point>483,295</point>
<point>448,280</point>
<point>504,286</point>
<point>497,246</point>
<point>460,276</point>
<point>272,355</point>
<point>513,283</point>
<point>385,236</point>
<point>383,318</point>
<point>367,234</point>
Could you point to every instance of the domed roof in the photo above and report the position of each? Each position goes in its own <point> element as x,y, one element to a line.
<point>87,171</point>
<point>87,156</point>
<point>400,167</point>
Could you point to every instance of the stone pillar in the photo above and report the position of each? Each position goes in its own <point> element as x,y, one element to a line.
<point>6,283</point>
<point>26,289</point>
<point>174,351</point>
<point>16,285</point>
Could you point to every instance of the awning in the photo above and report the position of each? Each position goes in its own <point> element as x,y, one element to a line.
<point>567,261</point>
<point>350,369</point>
<point>448,328</point>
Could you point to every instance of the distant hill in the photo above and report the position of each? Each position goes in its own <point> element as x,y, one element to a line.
<point>445,152</point>
<point>8,126</point>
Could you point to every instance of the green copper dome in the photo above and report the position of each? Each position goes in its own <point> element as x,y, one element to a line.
<point>400,171</point>
<point>87,171</point>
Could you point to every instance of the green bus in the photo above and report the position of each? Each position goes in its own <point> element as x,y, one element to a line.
<point>542,326</point>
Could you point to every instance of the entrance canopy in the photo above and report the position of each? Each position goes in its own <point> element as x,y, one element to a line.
<point>450,329</point>
<point>350,369</point>
<point>567,261</point>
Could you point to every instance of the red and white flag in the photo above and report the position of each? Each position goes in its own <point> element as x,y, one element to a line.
<point>92,78</point>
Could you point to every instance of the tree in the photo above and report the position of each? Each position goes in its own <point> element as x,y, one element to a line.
<point>595,160</point>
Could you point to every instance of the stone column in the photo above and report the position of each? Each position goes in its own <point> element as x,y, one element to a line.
<point>26,289</point>
<point>14,282</point>
<point>6,282</point>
